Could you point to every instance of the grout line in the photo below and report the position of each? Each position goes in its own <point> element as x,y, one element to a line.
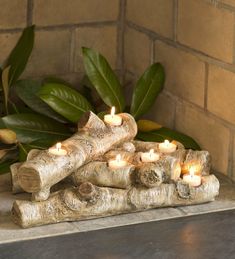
<point>233,38</point>
<point>230,158</point>
<point>72,58</point>
<point>120,38</point>
<point>30,5</point>
<point>206,85</point>
<point>202,56</point>
<point>152,52</point>
<point>175,19</point>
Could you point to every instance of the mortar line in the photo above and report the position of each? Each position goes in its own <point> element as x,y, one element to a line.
<point>202,56</point>
<point>120,38</point>
<point>72,50</point>
<point>30,5</point>
<point>233,38</point>
<point>230,158</point>
<point>206,85</point>
<point>175,19</point>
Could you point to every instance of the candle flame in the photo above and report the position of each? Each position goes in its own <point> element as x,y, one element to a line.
<point>58,146</point>
<point>112,111</point>
<point>192,171</point>
<point>166,142</point>
<point>151,152</point>
<point>118,158</point>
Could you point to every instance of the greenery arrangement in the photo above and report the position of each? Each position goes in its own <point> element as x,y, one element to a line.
<point>39,113</point>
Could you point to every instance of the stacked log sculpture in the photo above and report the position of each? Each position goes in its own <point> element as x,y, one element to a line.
<point>94,189</point>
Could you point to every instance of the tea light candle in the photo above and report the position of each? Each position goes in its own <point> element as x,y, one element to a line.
<point>113,119</point>
<point>192,179</point>
<point>116,163</point>
<point>58,150</point>
<point>150,156</point>
<point>167,147</point>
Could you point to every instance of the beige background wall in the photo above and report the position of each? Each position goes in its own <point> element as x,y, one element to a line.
<point>194,39</point>
<point>62,27</point>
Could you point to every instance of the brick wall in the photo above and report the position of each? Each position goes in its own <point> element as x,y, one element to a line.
<point>62,27</point>
<point>194,40</point>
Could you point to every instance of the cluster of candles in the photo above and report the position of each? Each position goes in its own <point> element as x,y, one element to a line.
<point>166,147</point>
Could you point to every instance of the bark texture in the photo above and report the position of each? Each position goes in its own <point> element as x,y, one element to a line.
<point>89,201</point>
<point>44,169</point>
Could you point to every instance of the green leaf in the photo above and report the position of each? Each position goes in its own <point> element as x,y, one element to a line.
<point>104,79</point>
<point>30,127</point>
<point>19,56</point>
<point>23,151</point>
<point>27,90</point>
<point>5,86</point>
<point>164,133</point>
<point>65,101</point>
<point>5,166</point>
<point>147,89</point>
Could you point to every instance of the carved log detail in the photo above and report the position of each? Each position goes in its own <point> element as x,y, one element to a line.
<point>88,201</point>
<point>44,169</point>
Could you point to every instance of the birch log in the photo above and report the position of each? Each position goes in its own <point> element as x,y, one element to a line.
<point>100,174</point>
<point>44,169</point>
<point>201,160</point>
<point>89,201</point>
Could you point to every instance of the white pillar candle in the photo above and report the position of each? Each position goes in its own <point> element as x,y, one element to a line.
<point>191,178</point>
<point>58,150</point>
<point>118,162</point>
<point>150,156</point>
<point>113,119</point>
<point>167,147</point>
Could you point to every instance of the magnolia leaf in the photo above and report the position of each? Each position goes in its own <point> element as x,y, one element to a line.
<point>147,89</point>
<point>103,79</point>
<point>64,100</point>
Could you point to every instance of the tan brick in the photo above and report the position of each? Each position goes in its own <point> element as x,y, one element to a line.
<point>209,133</point>
<point>101,39</point>
<point>13,14</point>
<point>221,92</point>
<point>155,15</point>
<point>137,51</point>
<point>7,43</point>
<point>185,73</point>
<point>206,28</point>
<point>50,55</point>
<point>74,11</point>
<point>163,111</point>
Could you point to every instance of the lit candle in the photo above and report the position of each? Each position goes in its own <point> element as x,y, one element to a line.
<point>167,147</point>
<point>58,150</point>
<point>116,163</point>
<point>113,119</point>
<point>150,156</point>
<point>191,178</point>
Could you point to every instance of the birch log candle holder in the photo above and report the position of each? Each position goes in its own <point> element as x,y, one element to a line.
<point>108,175</point>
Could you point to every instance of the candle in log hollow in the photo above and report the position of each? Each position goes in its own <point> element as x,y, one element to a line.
<point>118,162</point>
<point>167,147</point>
<point>58,150</point>
<point>112,118</point>
<point>192,178</point>
<point>150,156</point>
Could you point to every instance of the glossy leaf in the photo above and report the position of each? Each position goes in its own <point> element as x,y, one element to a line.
<point>164,133</point>
<point>27,90</point>
<point>19,56</point>
<point>30,127</point>
<point>147,89</point>
<point>5,166</point>
<point>5,86</point>
<point>104,79</point>
<point>65,101</point>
